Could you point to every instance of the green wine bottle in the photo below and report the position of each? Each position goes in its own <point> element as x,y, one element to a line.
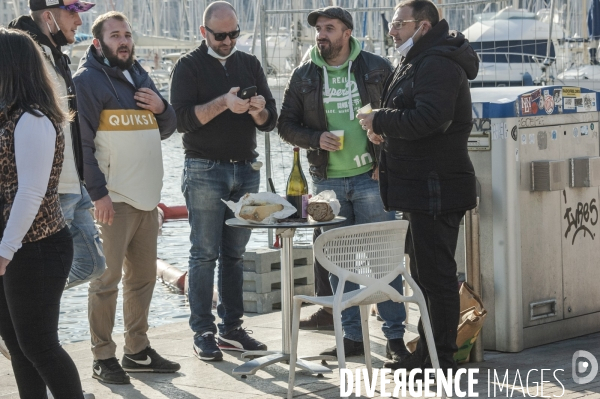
<point>296,185</point>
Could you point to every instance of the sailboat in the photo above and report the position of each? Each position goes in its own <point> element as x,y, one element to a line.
<point>518,47</point>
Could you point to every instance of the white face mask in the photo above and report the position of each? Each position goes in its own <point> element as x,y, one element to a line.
<point>404,48</point>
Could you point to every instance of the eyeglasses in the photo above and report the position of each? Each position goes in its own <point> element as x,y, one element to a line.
<point>221,36</point>
<point>399,24</point>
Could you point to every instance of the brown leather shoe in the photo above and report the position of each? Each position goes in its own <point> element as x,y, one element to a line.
<point>320,320</point>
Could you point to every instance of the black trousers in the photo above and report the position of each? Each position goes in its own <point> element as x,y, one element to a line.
<point>431,244</point>
<point>322,284</point>
<point>30,293</point>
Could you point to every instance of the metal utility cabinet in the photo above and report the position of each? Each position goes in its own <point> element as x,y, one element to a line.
<point>536,156</point>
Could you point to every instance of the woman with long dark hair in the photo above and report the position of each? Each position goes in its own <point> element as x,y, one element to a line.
<point>36,250</point>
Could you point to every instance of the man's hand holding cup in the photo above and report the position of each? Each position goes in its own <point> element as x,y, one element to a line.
<point>365,116</point>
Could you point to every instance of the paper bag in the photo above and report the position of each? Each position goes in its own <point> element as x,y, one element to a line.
<point>323,206</point>
<point>471,321</point>
<point>262,199</point>
<point>472,316</point>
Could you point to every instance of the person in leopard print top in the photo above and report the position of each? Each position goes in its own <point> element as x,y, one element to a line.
<point>36,248</point>
<point>49,219</point>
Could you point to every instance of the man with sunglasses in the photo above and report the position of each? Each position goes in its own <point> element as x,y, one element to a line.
<point>425,170</point>
<point>219,138</point>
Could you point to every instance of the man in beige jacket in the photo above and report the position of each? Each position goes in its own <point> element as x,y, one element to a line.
<point>123,119</point>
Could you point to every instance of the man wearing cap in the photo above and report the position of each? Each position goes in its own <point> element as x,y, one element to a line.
<point>324,94</point>
<point>52,24</point>
<point>123,119</point>
<point>219,137</point>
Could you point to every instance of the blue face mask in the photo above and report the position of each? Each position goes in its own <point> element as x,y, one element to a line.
<point>105,60</point>
<point>405,47</point>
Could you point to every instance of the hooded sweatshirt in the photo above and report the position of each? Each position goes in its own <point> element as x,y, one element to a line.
<point>341,101</point>
<point>121,141</point>
<point>426,120</point>
<point>58,65</point>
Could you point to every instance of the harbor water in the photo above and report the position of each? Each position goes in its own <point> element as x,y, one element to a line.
<point>173,242</point>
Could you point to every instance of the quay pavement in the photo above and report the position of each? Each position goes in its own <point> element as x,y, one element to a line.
<point>511,374</point>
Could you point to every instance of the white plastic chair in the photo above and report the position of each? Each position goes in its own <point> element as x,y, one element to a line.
<point>372,256</point>
<point>406,287</point>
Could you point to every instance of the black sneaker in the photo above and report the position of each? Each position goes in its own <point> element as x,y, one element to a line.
<point>396,350</point>
<point>412,361</point>
<point>239,340</point>
<point>351,348</point>
<point>109,371</point>
<point>148,361</point>
<point>205,347</point>
<point>320,320</point>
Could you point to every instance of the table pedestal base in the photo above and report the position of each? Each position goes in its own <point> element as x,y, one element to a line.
<point>265,358</point>
<point>304,363</point>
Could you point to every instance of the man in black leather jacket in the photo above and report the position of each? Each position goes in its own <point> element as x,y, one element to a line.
<point>425,170</point>
<point>322,96</point>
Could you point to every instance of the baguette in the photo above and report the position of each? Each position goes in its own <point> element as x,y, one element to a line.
<point>258,213</point>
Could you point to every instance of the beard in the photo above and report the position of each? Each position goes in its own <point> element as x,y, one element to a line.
<point>330,51</point>
<point>114,59</point>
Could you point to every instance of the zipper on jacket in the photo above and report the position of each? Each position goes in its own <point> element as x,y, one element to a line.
<point>70,90</point>
<point>324,116</point>
<point>113,87</point>
<point>370,146</point>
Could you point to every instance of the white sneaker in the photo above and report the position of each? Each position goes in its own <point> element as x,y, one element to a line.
<point>4,349</point>
<point>85,395</point>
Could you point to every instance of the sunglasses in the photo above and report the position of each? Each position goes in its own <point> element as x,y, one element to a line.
<point>221,36</point>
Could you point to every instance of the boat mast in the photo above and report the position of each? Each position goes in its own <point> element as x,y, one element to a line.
<point>547,61</point>
<point>156,16</point>
<point>16,8</point>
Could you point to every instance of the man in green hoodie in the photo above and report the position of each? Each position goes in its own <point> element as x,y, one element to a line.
<point>324,95</point>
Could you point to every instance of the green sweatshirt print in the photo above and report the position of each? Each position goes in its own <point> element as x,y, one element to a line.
<point>341,101</point>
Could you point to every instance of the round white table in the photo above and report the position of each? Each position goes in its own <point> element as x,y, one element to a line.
<point>262,359</point>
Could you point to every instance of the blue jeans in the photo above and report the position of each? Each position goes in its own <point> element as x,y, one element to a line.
<point>361,203</point>
<point>88,258</point>
<point>204,184</point>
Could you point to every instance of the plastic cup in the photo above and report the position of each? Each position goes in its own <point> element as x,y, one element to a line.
<point>340,134</point>
<point>366,109</point>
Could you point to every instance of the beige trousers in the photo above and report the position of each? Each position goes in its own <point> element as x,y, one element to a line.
<point>130,250</point>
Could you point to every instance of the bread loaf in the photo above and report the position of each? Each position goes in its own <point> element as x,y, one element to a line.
<point>258,213</point>
<point>320,211</point>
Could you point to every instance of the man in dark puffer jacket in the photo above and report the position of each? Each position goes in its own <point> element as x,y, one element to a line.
<point>425,169</point>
